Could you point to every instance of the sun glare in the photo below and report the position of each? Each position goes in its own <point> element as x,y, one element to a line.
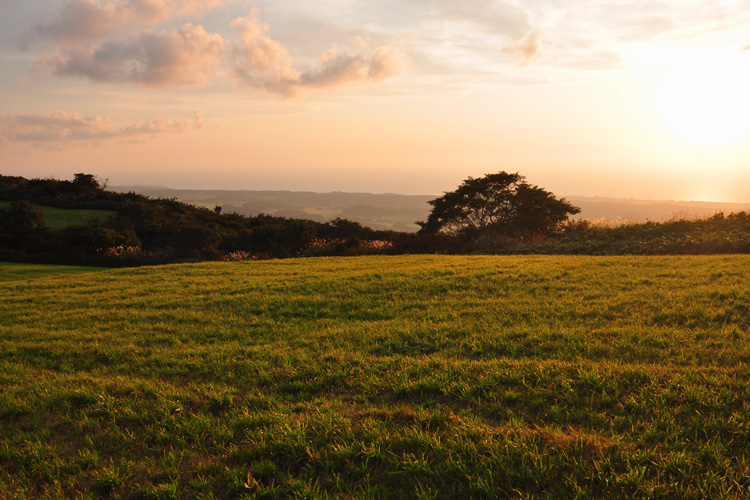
<point>703,100</point>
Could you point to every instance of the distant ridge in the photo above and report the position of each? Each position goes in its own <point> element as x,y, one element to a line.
<point>599,207</point>
<point>401,211</point>
<point>379,211</point>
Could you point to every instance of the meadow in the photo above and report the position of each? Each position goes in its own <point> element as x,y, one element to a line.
<point>378,377</point>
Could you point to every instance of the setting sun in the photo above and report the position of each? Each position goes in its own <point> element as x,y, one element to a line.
<point>702,99</point>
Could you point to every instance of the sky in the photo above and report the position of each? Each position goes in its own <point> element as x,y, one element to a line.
<point>644,99</point>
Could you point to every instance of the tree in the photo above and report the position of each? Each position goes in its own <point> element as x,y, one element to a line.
<point>90,182</point>
<point>500,204</point>
<point>343,228</point>
<point>20,223</point>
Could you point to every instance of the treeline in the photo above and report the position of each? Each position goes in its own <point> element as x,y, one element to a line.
<point>144,231</point>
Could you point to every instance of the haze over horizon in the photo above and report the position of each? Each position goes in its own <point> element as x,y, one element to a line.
<point>147,187</point>
<point>627,99</point>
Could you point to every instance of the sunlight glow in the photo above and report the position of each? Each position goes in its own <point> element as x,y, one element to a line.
<point>702,98</point>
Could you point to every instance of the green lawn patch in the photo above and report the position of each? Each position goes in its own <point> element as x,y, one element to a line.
<point>60,218</point>
<point>379,377</point>
<point>15,272</point>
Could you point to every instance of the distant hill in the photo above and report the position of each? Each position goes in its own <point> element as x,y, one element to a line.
<point>400,212</point>
<point>396,212</point>
<point>649,210</point>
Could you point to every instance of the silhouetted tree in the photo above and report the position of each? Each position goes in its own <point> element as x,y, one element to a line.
<point>500,204</point>
<point>86,181</point>
<point>20,222</point>
<point>344,228</point>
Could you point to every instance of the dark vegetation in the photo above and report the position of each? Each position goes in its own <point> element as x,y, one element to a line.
<point>497,205</point>
<point>142,230</point>
<point>399,212</point>
<point>718,234</point>
<point>80,222</point>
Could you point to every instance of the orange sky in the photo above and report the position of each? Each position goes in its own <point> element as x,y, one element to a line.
<point>635,99</point>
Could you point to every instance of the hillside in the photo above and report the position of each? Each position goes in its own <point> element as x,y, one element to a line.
<point>80,222</point>
<point>378,377</point>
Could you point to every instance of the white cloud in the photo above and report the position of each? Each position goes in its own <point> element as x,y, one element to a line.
<point>85,20</point>
<point>447,39</point>
<point>186,57</point>
<point>193,56</point>
<point>336,70</point>
<point>385,63</point>
<point>492,16</point>
<point>59,129</point>
<point>475,42</point>
<point>526,48</point>
<point>259,61</point>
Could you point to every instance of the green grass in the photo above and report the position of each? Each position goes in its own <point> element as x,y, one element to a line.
<point>18,272</point>
<point>60,218</point>
<point>378,377</point>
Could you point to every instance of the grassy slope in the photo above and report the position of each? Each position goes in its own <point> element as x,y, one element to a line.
<point>60,218</point>
<point>400,377</point>
<point>14,272</point>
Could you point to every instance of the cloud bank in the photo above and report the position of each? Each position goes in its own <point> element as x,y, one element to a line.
<point>260,61</point>
<point>95,40</point>
<point>126,41</point>
<point>59,129</point>
<point>84,20</point>
<point>186,57</point>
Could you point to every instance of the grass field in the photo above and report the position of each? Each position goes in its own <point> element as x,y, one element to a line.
<point>60,218</point>
<point>378,377</point>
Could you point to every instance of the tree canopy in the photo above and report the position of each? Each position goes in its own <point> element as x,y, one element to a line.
<point>501,204</point>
